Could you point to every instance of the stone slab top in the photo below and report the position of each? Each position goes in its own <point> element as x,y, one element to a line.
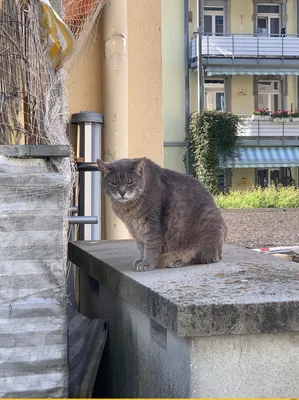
<point>35,151</point>
<point>246,293</point>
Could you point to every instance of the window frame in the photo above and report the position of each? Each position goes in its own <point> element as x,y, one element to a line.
<point>215,13</point>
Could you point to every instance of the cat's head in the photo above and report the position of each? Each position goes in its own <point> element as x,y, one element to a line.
<point>123,180</point>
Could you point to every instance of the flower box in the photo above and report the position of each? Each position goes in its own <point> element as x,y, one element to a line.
<point>295,119</point>
<point>256,117</point>
<point>261,114</point>
<point>261,118</point>
<point>266,118</point>
<point>281,120</point>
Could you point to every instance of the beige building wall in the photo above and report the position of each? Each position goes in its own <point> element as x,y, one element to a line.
<point>241,12</point>
<point>243,178</point>
<point>85,83</point>
<point>292,17</point>
<point>292,93</point>
<point>242,104</point>
<point>241,16</point>
<point>145,80</point>
<point>173,80</point>
<point>193,91</point>
<point>295,175</point>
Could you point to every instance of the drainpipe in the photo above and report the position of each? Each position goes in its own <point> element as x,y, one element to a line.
<point>115,94</point>
<point>200,78</point>
<point>297,14</point>
<point>187,84</point>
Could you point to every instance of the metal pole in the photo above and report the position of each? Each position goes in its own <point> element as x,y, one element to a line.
<point>81,179</point>
<point>200,78</point>
<point>83,220</point>
<point>187,84</point>
<point>96,194</point>
<point>93,192</point>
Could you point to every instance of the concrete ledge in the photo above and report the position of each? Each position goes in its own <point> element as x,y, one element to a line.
<point>247,293</point>
<point>35,151</point>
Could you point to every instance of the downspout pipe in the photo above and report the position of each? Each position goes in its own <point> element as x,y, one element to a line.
<point>297,15</point>
<point>187,82</point>
<point>200,77</point>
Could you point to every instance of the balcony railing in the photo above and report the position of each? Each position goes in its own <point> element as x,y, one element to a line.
<point>268,129</point>
<point>234,45</point>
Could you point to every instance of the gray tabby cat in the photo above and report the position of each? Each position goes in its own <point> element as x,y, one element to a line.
<point>171,216</point>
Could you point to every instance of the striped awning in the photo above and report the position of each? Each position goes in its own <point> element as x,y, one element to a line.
<point>265,157</point>
<point>231,70</point>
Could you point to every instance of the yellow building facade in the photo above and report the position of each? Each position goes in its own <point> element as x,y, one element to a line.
<point>250,61</point>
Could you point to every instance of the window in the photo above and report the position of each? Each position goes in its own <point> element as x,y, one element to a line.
<point>268,9</point>
<point>268,176</point>
<point>214,95</point>
<point>268,20</point>
<point>269,95</point>
<point>214,21</point>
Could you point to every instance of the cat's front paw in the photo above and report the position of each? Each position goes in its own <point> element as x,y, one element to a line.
<point>140,265</point>
<point>175,264</point>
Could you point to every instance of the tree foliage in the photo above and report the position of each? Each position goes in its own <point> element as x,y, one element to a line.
<point>212,140</point>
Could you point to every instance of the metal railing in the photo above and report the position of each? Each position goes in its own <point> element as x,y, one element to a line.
<point>231,45</point>
<point>267,130</point>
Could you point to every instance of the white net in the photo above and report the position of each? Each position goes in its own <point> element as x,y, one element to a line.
<point>35,198</point>
<point>81,17</point>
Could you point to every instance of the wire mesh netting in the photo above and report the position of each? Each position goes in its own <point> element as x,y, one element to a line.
<point>33,107</point>
<point>35,194</point>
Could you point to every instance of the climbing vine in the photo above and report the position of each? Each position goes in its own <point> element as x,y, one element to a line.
<point>212,140</point>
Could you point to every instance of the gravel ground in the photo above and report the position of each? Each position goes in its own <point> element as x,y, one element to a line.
<point>254,228</point>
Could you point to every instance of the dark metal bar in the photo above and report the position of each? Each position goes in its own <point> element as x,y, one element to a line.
<point>81,220</point>
<point>87,166</point>
<point>174,144</point>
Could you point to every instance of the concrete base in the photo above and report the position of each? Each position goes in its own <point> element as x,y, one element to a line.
<point>147,358</point>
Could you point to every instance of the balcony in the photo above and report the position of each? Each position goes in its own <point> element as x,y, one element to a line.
<point>234,47</point>
<point>272,132</point>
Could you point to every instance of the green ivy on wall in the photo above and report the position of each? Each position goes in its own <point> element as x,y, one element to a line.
<point>212,140</point>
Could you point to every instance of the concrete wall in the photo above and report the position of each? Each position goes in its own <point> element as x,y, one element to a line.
<point>160,367</point>
<point>213,339</point>
<point>238,183</point>
<point>253,365</point>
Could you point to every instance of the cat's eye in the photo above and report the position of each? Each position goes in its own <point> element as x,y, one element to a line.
<point>130,182</point>
<point>113,183</point>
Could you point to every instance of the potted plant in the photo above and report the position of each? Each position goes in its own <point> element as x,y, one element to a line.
<point>281,116</point>
<point>261,114</point>
<point>294,115</point>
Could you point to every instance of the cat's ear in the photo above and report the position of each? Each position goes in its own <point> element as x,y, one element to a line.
<point>139,165</point>
<point>104,166</point>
